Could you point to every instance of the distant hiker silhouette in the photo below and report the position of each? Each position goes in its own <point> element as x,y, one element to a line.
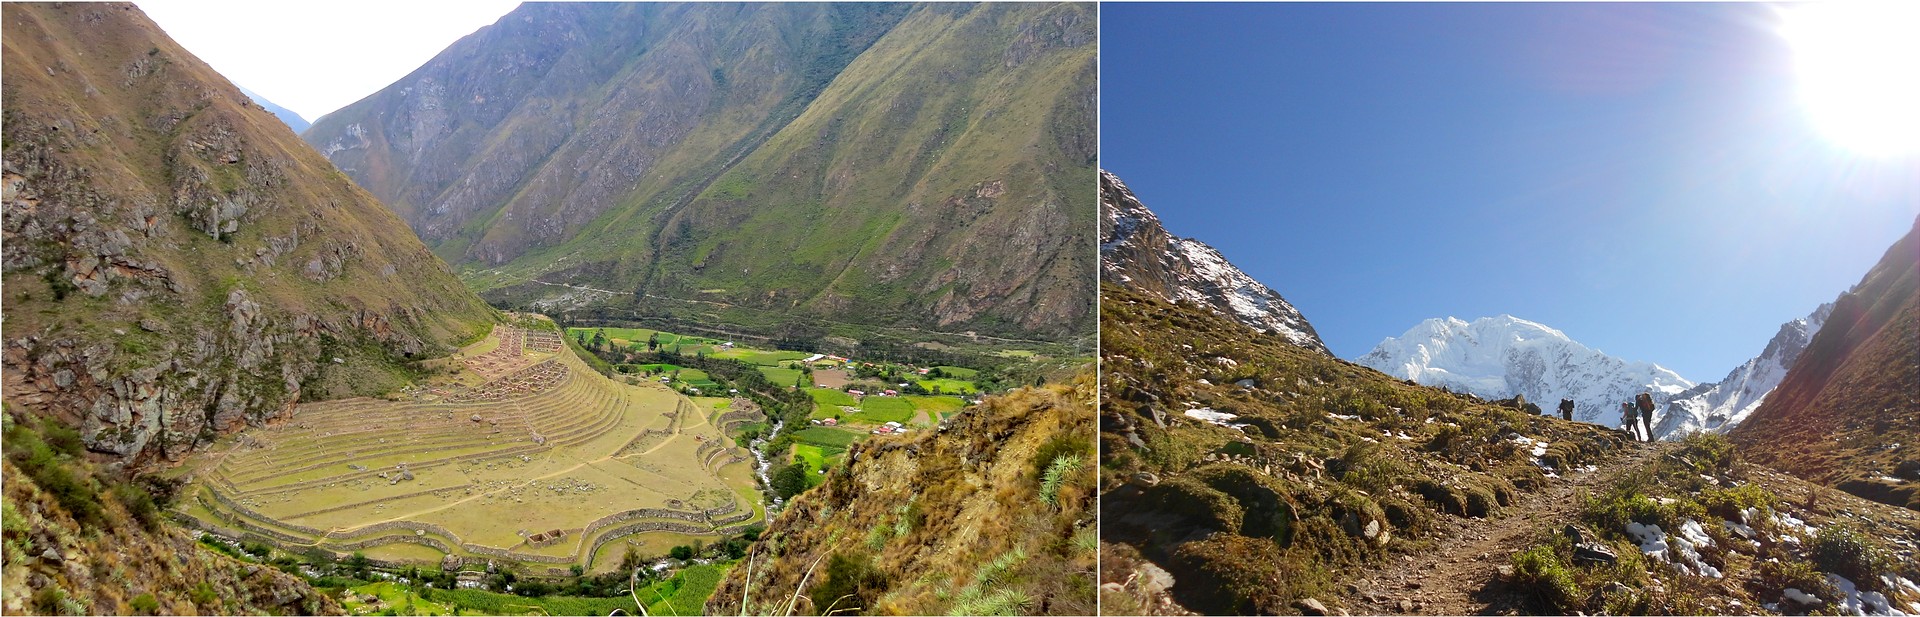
<point>1566,409</point>
<point>1645,403</point>
<point>1627,422</point>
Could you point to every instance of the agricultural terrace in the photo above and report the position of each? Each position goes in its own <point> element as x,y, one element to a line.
<point>522,454</point>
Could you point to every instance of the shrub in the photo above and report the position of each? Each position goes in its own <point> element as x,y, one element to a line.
<point>1728,503</point>
<point>203,595</point>
<point>1057,474</point>
<point>1201,504</point>
<point>1062,445</point>
<point>851,581</point>
<point>145,604</point>
<point>138,503</point>
<point>1229,574</point>
<point>682,552</point>
<point>1841,550</point>
<point>1540,571</point>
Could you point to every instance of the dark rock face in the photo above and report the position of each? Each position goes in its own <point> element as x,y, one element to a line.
<point>176,262</point>
<point>1136,251</point>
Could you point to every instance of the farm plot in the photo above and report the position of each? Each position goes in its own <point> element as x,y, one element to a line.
<point>541,464</point>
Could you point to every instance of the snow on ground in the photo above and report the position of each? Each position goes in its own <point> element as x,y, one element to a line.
<point>1853,601</point>
<point>1680,550</point>
<point>1208,414</point>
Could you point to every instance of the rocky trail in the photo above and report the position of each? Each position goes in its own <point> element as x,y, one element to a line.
<point>1461,575</point>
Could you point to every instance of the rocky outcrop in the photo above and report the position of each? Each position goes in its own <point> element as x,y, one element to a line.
<point>177,263</point>
<point>1136,251</point>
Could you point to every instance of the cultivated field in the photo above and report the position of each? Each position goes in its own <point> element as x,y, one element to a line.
<point>522,441</point>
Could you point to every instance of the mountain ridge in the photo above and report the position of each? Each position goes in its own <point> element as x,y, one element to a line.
<point>1499,357</point>
<point>839,161</point>
<point>1137,251</point>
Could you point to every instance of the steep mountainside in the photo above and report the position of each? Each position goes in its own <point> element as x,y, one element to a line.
<point>1243,475</point>
<point>887,164</point>
<point>1722,405</point>
<point>1848,412</point>
<point>1136,251</point>
<point>991,514</point>
<point>293,120</point>
<point>177,263</point>
<point>78,543</point>
<point>1499,357</point>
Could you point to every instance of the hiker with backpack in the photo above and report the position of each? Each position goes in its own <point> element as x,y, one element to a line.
<point>1644,402</point>
<point>1566,409</point>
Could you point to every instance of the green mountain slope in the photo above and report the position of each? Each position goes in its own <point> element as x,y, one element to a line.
<point>1843,413</point>
<point>177,263</point>
<point>885,164</point>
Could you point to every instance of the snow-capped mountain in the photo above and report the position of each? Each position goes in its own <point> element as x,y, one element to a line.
<point>1136,251</point>
<point>1498,357</point>
<point>1721,406</point>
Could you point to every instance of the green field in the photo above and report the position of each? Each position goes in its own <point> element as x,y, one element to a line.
<point>950,386</point>
<point>817,458</point>
<point>829,397</point>
<point>782,377</point>
<point>936,404</point>
<point>958,372</point>
<point>884,409</point>
<point>684,594</point>
<point>823,436</point>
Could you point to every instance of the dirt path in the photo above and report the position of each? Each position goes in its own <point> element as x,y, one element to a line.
<point>1453,578</point>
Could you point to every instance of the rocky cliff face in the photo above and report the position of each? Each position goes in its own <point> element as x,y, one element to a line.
<point>1721,405</point>
<point>886,164</point>
<point>991,514</point>
<point>177,264</point>
<point>1136,251</point>
<point>1848,412</point>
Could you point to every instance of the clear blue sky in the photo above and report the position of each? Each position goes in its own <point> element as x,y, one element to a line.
<point>1642,177</point>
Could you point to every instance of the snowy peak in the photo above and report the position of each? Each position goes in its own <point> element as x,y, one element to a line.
<point>1723,405</point>
<point>1499,357</point>
<point>1136,251</point>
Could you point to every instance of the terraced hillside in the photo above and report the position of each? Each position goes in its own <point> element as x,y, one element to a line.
<point>521,453</point>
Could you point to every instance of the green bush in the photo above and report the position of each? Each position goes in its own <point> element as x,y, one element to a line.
<point>1837,548</point>
<point>851,582</point>
<point>1054,448</point>
<point>1540,571</point>
<point>145,604</point>
<point>1201,504</point>
<point>1728,503</point>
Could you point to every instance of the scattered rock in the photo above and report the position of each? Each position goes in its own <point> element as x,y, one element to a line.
<point>1311,606</point>
<point>1145,479</point>
<point>1592,552</point>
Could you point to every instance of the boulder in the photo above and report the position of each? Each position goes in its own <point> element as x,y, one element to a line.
<point>1310,606</point>
<point>1594,552</point>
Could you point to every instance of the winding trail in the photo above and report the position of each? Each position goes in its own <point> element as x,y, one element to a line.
<point>1455,578</point>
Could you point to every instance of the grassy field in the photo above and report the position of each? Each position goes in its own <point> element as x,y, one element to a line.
<point>884,409</point>
<point>950,386</point>
<point>684,594</point>
<point>823,436</point>
<point>936,404</point>
<point>817,458</point>
<point>958,372</point>
<point>832,398</point>
<point>782,376</point>
<point>548,444</point>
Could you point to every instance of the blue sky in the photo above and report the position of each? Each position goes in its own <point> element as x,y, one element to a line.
<point>1642,177</point>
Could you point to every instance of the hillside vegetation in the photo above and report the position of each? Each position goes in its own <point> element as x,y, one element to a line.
<point>1848,412</point>
<point>882,164</point>
<point>177,263</point>
<point>1244,474</point>
<point>80,543</point>
<point>991,514</point>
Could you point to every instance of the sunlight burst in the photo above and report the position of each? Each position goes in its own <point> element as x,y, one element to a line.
<point>1859,69</point>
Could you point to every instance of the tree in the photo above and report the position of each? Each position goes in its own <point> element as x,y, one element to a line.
<point>790,480</point>
<point>653,342</point>
<point>682,552</point>
<point>936,373</point>
<point>599,338</point>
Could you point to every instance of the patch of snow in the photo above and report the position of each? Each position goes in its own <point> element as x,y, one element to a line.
<point>1342,417</point>
<point>1681,550</point>
<point>1209,415</point>
<point>1853,601</point>
<point>1795,595</point>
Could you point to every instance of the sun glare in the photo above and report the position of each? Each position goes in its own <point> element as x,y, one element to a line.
<point>1859,68</point>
